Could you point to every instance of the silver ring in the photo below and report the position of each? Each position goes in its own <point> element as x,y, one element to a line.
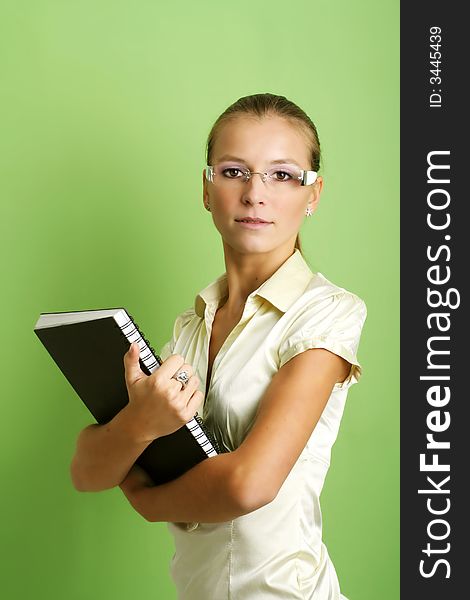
<point>182,377</point>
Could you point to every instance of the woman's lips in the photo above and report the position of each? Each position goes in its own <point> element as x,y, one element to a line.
<point>252,224</point>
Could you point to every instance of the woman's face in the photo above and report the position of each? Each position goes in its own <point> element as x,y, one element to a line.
<point>259,142</point>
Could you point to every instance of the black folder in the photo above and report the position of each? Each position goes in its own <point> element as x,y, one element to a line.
<point>88,347</point>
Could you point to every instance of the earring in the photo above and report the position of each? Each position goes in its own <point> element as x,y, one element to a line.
<point>309,211</point>
<point>207,207</point>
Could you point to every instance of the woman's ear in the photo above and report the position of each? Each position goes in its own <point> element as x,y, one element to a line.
<point>315,194</point>
<point>205,192</point>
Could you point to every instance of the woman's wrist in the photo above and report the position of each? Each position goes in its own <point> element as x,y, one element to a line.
<point>130,423</point>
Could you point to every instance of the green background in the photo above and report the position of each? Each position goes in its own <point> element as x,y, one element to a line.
<point>105,110</point>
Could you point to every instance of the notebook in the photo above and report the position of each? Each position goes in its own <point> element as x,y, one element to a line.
<point>88,347</point>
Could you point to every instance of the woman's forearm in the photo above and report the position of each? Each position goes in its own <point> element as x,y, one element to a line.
<point>215,490</point>
<point>105,453</point>
<point>157,407</point>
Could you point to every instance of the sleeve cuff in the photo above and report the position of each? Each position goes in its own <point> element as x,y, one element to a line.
<point>355,371</point>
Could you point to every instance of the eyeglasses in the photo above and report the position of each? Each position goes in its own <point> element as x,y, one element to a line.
<point>279,178</point>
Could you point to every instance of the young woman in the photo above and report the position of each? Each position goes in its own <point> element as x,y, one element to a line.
<point>266,356</point>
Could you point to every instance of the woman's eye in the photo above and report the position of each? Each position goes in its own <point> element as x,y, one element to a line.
<point>231,173</point>
<point>283,175</point>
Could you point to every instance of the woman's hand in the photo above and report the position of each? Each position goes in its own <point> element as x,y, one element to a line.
<point>158,404</point>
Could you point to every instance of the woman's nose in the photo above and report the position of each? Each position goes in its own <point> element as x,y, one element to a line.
<point>255,190</point>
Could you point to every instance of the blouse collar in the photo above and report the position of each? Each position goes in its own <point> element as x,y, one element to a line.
<point>282,289</point>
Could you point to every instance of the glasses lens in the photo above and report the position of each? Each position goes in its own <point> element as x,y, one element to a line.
<point>229,173</point>
<point>285,176</point>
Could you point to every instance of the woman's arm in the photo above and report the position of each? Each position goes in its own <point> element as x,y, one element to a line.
<point>105,453</point>
<point>236,483</point>
<point>157,406</point>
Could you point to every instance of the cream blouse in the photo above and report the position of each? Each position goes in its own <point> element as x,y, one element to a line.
<point>275,552</point>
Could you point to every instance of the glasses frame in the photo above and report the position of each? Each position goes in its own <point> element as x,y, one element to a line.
<point>305,177</point>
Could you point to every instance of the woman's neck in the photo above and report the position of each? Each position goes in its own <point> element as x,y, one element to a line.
<point>246,272</point>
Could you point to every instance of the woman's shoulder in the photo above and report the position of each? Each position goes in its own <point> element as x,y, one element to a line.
<point>322,292</point>
<point>180,323</point>
<point>183,319</point>
<point>324,311</point>
<point>324,316</point>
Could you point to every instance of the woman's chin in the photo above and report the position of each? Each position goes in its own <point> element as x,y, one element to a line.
<point>251,246</point>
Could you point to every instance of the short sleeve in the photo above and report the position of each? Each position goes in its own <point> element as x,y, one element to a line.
<point>180,322</point>
<point>333,323</point>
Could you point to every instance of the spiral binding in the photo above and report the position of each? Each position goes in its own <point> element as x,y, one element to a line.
<point>152,361</point>
<point>209,435</point>
<point>145,340</point>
